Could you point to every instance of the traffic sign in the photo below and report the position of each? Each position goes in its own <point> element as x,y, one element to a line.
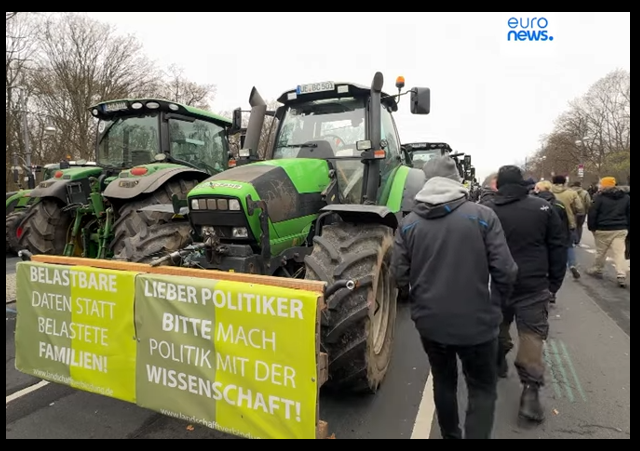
<point>581,172</point>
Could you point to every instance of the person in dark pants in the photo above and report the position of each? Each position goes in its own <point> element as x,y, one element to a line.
<point>543,191</point>
<point>447,239</point>
<point>581,218</point>
<point>627,241</point>
<point>536,240</point>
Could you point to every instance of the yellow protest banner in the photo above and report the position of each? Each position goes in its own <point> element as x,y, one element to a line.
<point>75,327</point>
<point>236,357</point>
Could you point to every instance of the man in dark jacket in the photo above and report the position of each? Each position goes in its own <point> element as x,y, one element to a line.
<point>610,220</point>
<point>537,242</point>
<point>488,189</point>
<point>543,191</point>
<point>445,251</point>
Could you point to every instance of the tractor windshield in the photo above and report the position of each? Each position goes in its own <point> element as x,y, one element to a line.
<point>128,141</point>
<point>328,128</point>
<point>420,158</point>
<point>202,144</point>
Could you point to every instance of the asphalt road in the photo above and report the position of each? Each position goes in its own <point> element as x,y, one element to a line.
<point>588,395</point>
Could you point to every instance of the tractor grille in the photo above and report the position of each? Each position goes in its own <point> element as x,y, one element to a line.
<point>218,214</point>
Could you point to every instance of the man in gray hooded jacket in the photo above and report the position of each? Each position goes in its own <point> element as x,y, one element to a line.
<point>446,252</point>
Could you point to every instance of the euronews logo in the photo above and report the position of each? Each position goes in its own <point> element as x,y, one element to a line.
<point>528,29</point>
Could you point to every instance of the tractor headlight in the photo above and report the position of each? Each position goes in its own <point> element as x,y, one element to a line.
<point>194,204</point>
<point>240,232</point>
<point>234,204</point>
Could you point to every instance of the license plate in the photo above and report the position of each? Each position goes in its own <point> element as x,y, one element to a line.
<point>316,87</point>
<point>116,106</point>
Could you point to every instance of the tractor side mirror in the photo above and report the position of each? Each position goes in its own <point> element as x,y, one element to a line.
<point>236,121</point>
<point>467,160</point>
<point>472,172</point>
<point>420,101</point>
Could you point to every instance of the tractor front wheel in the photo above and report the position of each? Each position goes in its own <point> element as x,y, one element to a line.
<point>358,326</point>
<point>142,236</point>
<point>44,228</point>
<point>14,231</point>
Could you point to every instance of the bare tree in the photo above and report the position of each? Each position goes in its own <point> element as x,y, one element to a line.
<point>10,16</point>
<point>177,88</point>
<point>19,51</point>
<point>595,131</point>
<point>81,62</point>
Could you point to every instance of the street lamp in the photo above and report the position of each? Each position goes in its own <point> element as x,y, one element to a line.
<point>581,148</point>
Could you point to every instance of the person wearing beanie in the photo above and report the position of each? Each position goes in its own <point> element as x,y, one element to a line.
<point>574,207</point>
<point>585,197</point>
<point>446,239</point>
<point>610,221</point>
<point>537,242</point>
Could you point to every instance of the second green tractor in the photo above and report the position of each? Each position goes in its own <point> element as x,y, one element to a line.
<point>148,151</point>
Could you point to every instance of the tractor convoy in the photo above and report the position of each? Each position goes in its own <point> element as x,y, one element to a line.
<point>321,204</point>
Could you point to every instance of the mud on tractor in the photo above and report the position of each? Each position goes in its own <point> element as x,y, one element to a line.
<point>324,206</point>
<point>147,151</point>
<point>17,202</point>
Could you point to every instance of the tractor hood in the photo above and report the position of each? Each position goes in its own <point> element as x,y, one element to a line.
<point>291,188</point>
<point>77,173</point>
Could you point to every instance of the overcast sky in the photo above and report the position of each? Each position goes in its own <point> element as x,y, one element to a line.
<point>490,98</point>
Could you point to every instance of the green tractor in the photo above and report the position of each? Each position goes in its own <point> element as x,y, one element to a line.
<point>148,151</point>
<point>420,153</point>
<point>18,201</point>
<point>323,207</point>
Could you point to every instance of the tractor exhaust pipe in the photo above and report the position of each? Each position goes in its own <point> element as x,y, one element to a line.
<point>256,121</point>
<point>372,169</point>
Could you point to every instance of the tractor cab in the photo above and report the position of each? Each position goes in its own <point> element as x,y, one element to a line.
<point>419,153</point>
<point>350,126</point>
<point>146,131</point>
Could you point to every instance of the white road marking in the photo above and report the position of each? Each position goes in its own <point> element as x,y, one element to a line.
<point>426,413</point>
<point>584,246</point>
<point>26,391</point>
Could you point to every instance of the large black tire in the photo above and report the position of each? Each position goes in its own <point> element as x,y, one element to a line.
<point>141,236</point>
<point>13,220</point>
<point>358,326</point>
<point>45,226</point>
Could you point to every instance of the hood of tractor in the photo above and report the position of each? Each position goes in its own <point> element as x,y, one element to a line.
<point>77,173</point>
<point>291,188</point>
<point>147,170</point>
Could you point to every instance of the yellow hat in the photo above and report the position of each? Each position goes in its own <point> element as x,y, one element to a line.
<point>608,182</point>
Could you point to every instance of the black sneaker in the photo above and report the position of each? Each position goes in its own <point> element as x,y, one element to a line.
<point>622,282</point>
<point>575,272</point>
<point>553,299</point>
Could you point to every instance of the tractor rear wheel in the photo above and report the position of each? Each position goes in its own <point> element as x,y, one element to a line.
<point>44,228</point>
<point>14,230</point>
<point>142,236</point>
<point>358,326</point>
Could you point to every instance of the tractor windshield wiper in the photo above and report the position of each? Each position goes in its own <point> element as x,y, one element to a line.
<point>309,145</point>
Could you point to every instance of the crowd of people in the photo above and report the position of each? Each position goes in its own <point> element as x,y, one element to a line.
<point>518,239</point>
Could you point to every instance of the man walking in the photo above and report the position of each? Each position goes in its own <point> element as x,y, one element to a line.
<point>574,207</point>
<point>585,197</point>
<point>543,191</point>
<point>445,252</point>
<point>610,220</point>
<point>536,239</point>
<point>489,188</point>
